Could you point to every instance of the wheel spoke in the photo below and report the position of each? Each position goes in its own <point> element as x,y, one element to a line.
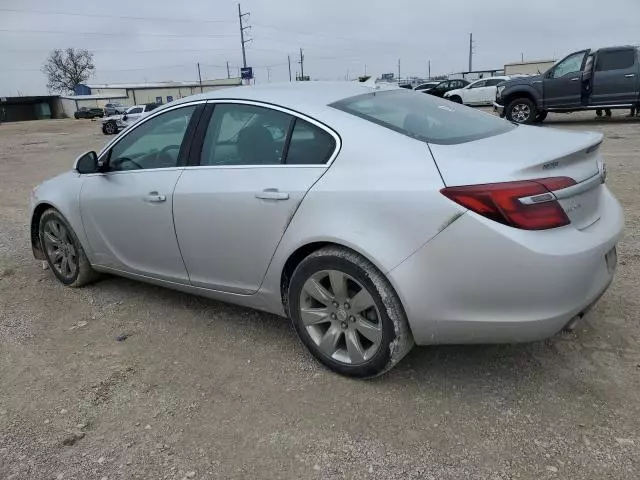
<point>55,228</point>
<point>56,255</point>
<point>361,301</point>
<point>330,340</point>
<point>338,285</point>
<point>313,316</point>
<point>72,263</point>
<point>369,330</point>
<point>51,239</point>
<point>318,292</point>
<point>354,347</point>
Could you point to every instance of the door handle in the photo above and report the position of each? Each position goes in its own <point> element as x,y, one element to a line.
<point>575,79</point>
<point>155,197</point>
<point>272,194</point>
<point>630,75</point>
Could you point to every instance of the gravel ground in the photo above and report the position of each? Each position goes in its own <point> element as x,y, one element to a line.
<point>201,389</point>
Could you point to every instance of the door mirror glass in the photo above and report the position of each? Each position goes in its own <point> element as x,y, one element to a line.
<point>87,163</point>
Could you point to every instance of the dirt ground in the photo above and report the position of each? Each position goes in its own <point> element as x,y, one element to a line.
<point>201,389</point>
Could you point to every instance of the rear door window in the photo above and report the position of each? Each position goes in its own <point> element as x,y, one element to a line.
<point>309,145</point>
<point>424,117</point>
<point>615,59</point>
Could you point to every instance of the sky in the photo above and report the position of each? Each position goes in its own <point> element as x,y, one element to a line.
<point>161,40</point>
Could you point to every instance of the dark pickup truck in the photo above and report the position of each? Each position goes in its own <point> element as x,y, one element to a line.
<point>604,79</point>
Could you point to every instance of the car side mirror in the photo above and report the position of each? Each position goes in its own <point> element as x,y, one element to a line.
<point>124,117</point>
<point>87,163</point>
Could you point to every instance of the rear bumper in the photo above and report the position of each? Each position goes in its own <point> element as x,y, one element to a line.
<point>482,282</point>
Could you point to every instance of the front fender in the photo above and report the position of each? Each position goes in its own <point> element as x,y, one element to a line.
<point>63,194</point>
<point>517,91</point>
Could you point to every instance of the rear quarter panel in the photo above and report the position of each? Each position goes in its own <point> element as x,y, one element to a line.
<point>380,198</point>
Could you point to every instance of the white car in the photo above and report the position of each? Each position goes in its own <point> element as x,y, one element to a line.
<point>480,92</point>
<point>113,124</point>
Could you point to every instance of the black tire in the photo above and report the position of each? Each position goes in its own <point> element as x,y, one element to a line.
<point>540,117</point>
<point>455,99</point>
<point>80,271</point>
<point>109,128</point>
<point>598,113</point>
<point>521,110</point>
<point>75,115</point>
<point>395,340</point>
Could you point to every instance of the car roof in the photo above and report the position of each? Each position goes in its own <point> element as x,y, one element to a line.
<point>306,97</point>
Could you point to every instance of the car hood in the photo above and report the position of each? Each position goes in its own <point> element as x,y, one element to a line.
<point>522,80</point>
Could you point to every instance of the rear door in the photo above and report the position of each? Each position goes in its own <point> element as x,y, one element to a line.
<point>252,166</point>
<point>473,94</point>
<point>615,78</point>
<point>526,153</point>
<point>562,85</point>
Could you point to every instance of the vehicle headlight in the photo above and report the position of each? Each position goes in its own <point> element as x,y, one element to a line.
<point>499,90</point>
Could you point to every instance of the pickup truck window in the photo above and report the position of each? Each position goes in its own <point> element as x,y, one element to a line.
<point>571,64</point>
<point>615,59</point>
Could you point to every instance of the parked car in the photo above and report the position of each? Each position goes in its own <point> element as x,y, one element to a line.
<point>427,85</point>
<point>114,109</point>
<point>248,196</point>
<point>608,78</point>
<point>445,86</point>
<point>480,92</point>
<point>88,112</point>
<point>113,124</point>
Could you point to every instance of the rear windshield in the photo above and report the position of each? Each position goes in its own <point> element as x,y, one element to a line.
<point>424,117</point>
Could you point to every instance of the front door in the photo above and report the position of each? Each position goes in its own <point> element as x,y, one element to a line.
<point>256,164</point>
<point>616,77</point>
<point>126,211</point>
<point>474,94</point>
<point>562,84</point>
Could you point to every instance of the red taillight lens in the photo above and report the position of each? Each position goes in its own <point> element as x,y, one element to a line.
<point>501,202</point>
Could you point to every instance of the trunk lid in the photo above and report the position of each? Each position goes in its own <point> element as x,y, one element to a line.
<point>527,153</point>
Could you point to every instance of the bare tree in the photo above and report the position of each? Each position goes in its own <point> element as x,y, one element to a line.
<point>68,68</point>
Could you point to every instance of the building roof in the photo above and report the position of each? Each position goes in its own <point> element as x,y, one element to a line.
<point>92,97</point>
<point>205,83</point>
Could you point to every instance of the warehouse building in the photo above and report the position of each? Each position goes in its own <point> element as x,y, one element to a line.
<point>528,68</point>
<point>158,92</point>
<point>18,109</point>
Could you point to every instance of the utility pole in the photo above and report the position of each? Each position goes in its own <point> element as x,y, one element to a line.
<point>470,52</point>
<point>289,60</point>
<point>228,72</point>
<point>199,77</point>
<point>301,65</point>
<point>365,69</point>
<point>398,69</point>
<point>242,29</point>
<point>429,77</point>
<point>522,57</point>
<point>268,75</point>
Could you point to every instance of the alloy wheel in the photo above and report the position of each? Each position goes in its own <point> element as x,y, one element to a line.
<point>61,251</point>
<point>521,112</point>
<point>341,317</point>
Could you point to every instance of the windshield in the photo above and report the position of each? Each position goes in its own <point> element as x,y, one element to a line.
<point>424,117</point>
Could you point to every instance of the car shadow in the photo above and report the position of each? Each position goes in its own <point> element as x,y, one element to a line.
<point>562,119</point>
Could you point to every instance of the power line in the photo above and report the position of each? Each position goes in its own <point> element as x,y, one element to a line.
<point>169,35</point>
<point>100,15</point>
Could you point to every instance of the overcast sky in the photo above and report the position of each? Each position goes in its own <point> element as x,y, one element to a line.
<point>158,40</point>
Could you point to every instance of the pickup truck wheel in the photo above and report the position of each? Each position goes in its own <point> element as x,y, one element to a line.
<point>540,117</point>
<point>521,110</point>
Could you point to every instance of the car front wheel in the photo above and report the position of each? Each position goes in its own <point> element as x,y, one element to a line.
<point>347,314</point>
<point>455,98</point>
<point>63,251</point>
<point>521,110</point>
<point>109,128</point>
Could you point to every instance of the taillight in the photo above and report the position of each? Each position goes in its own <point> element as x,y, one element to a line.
<point>527,204</point>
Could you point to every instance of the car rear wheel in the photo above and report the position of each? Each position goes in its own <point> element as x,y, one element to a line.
<point>109,128</point>
<point>347,314</point>
<point>63,251</point>
<point>521,110</point>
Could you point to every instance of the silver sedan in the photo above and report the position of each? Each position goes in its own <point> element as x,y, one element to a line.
<point>373,217</point>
